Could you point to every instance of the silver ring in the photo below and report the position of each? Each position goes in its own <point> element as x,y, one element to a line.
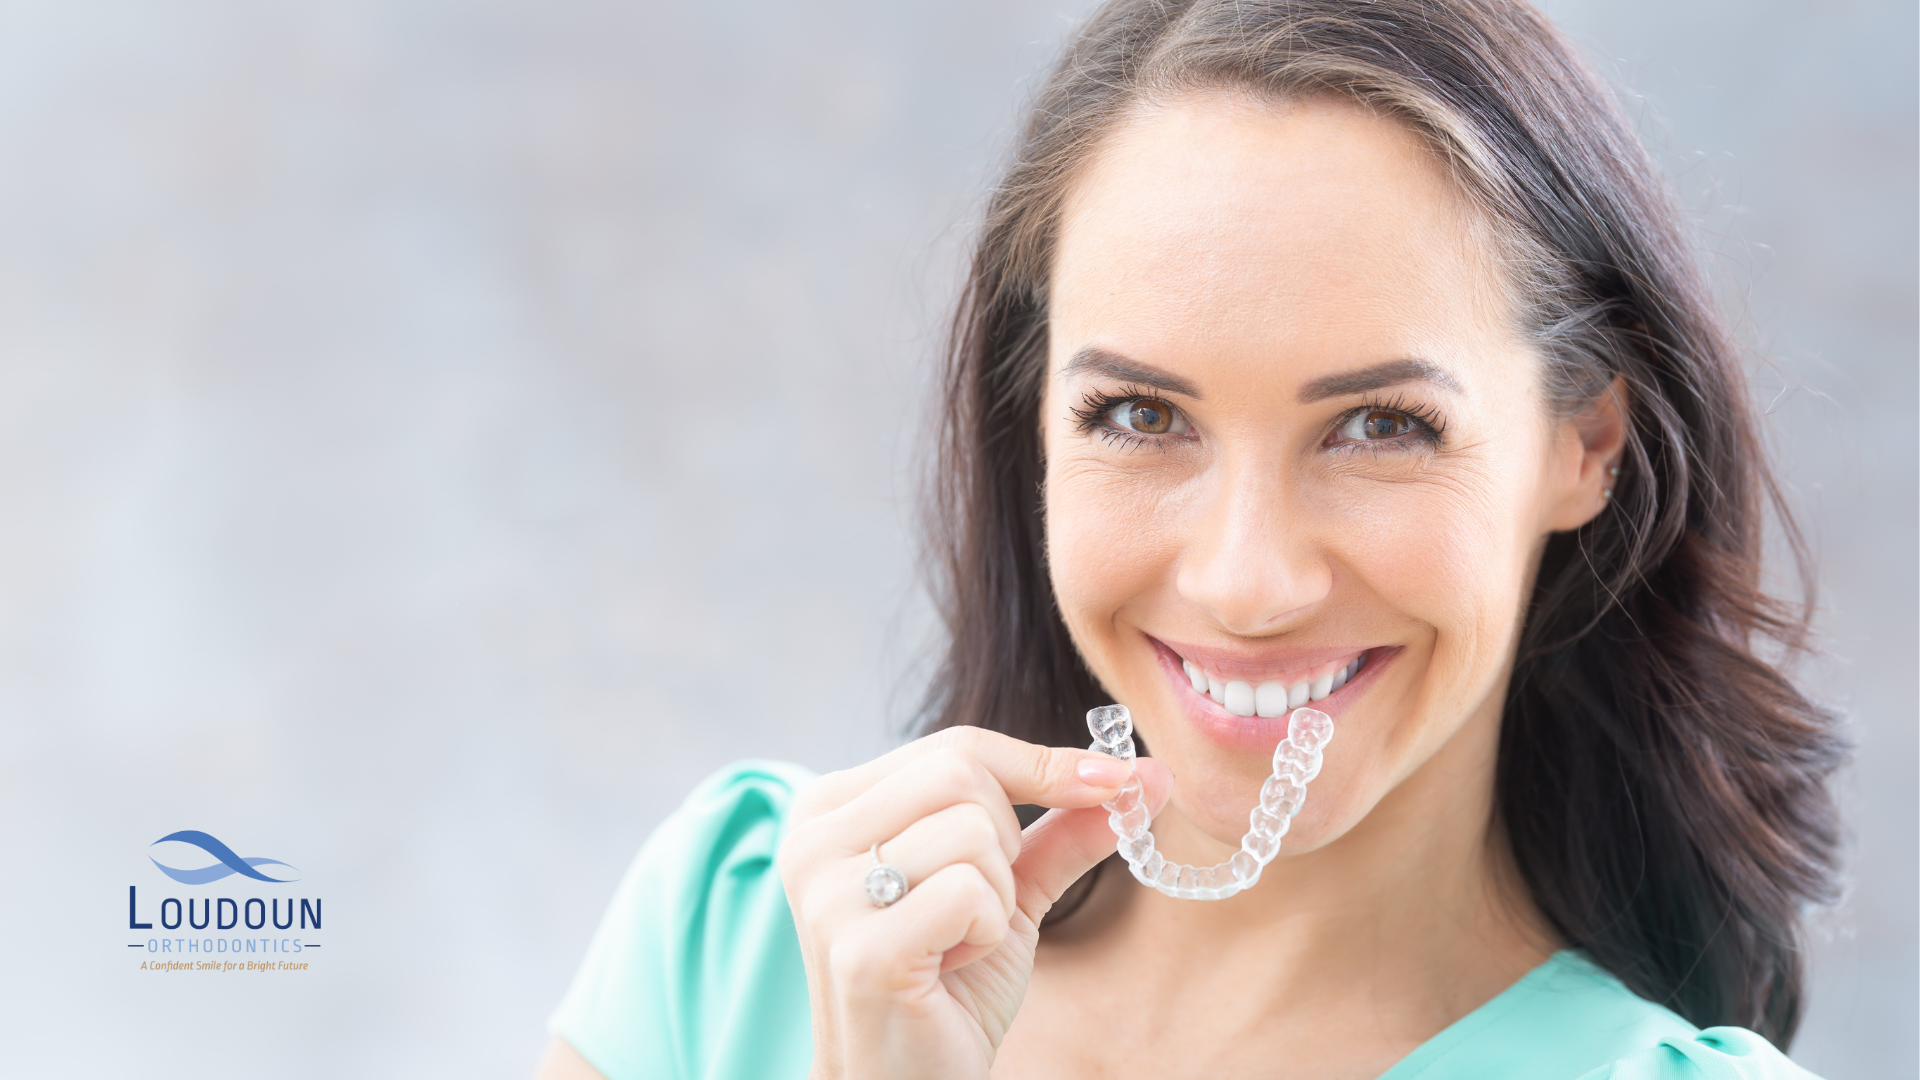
<point>885,884</point>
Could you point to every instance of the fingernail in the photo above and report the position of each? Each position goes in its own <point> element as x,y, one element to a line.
<point>1103,771</point>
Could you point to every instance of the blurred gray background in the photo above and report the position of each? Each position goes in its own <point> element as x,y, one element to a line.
<point>434,435</point>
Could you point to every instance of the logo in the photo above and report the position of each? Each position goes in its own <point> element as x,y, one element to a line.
<point>228,865</point>
<point>250,930</point>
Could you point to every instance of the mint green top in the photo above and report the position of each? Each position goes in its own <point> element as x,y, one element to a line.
<point>695,974</point>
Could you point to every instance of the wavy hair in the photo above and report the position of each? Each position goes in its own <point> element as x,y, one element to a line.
<point>1662,785</point>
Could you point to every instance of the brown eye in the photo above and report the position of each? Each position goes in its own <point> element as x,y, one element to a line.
<point>1150,416</point>
<point>1147,416</point>
<point>1376,424</point>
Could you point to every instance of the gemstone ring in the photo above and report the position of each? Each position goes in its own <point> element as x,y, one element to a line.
<point>885,884</point>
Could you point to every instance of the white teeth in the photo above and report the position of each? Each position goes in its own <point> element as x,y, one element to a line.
<point>1321,687</point>
<point>1239,700</point>
<point>1270,699</point>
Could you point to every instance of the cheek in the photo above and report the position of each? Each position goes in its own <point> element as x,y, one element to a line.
<point>1450,553</point>
<point>1110,539</point>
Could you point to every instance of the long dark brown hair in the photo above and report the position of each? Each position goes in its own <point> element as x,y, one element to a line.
<point>1662,785</point>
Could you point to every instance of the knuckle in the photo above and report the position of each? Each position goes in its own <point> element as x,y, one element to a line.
<point>970,882</point>
<point>989,885</point>
<point>785,861</point>
<point>803,839</point>
<point>815,798</point>
<point>966,893</point>
<point>1044,766</point>
<point>949,882</point>
<point>962,737</point>
<point>794,854</point>
<point>977,824</point>
<point>967,747</point>
<point>983,896</point>
<point>950,769</point>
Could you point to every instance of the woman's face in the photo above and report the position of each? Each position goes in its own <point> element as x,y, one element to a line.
<point>1289,428</point>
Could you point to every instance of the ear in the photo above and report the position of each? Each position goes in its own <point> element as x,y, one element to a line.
<point>1587,450</point>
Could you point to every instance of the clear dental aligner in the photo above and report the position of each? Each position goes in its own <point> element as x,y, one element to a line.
<point>1295,762</point>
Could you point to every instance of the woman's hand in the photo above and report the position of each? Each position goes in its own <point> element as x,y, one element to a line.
<point>929,986</point>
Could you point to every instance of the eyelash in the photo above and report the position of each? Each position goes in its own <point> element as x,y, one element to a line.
<point>1429,427</point>
<point>1090,417</point>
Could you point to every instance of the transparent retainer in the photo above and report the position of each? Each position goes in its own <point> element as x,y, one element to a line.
<point>1296,761</point>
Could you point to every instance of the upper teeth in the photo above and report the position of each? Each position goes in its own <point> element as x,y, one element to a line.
<point>1271,698</point>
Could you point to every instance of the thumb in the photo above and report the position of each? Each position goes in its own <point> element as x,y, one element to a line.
<point>1064,844</point>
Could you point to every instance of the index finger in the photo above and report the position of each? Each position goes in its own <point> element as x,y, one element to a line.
<point>1054,776</point>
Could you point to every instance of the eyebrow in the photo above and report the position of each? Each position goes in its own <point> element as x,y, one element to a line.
<point>1094,360</point>
<point>1377,377</point>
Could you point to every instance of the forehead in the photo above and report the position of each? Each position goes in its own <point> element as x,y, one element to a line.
<point>1257,229</point>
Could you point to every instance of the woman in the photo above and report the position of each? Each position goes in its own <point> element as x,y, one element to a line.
<point>1314,353</point>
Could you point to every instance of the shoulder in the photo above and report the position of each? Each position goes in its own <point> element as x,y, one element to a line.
<point>1641,1040</point>
<point>728,828</point>
<point>1720,1053</point>
<point>1569,1018</point>
<point>695,970</point>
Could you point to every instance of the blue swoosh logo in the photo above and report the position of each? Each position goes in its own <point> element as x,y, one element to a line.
<point>228,865</point>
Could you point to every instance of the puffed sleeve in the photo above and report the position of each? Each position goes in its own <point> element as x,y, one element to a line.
<point>1719,1053</point>
<point>695,971</point>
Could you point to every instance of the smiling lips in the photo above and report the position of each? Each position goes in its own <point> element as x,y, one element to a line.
<point>1273,698</point>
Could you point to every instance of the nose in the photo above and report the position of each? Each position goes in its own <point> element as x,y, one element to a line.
<point>1252,558</point>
